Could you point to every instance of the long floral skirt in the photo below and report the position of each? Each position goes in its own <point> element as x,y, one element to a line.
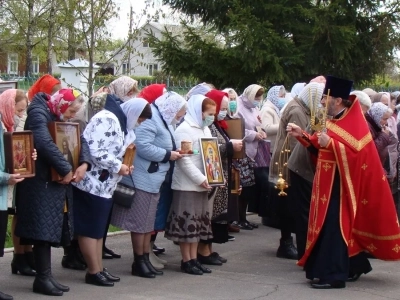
<point>189,218</point>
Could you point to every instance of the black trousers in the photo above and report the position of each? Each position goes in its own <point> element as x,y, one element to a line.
<point>300,195</point>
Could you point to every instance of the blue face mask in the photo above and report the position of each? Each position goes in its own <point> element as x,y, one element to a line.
<point>256,103</point>
<point>232,106</point>
<point>208,121</point>
<point>281,103</point>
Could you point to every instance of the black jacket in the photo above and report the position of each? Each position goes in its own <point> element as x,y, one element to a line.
<point>40,201</point>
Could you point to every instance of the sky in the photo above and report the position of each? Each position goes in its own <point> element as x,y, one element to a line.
<point>120,26</point>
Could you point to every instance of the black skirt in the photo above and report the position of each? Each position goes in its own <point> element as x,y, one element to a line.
<point>91,214</point>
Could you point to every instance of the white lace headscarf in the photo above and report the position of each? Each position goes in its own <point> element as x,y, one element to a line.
<point>312,92</point>
<point>377,110</point>
<point>169,104</point>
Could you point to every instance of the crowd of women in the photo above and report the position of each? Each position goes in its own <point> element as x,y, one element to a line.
<point>172,193</point>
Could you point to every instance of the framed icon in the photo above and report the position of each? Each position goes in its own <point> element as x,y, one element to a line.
<point>66,136</point>
<point>18,148</point>
<point>6,85</point>
<point>212,161</point>
<point>235,185</point>
<point>236,131</point>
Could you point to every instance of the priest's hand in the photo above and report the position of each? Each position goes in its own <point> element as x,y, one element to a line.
<point>293,130</point>
<point>323,139</point>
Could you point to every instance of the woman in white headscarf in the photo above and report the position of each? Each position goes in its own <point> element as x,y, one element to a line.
<point>108,134</point>
<point>189,217</point>
<point>247,110</point>
<point>200,89</point>
<point>155,153</point>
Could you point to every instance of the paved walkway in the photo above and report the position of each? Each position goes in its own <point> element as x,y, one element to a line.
<point>252,272</point>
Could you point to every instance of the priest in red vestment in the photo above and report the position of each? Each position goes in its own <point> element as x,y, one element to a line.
<point>352,211</point>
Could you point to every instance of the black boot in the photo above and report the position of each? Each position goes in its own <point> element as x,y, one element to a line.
<point>43,281</point>
<point>58,285</point>
<point>139,268</point>
<point>287,249</point>
<point>20,265</point>
<point>150,266</point>
<point>71,259</point>
<point>30,259</point>
<point>5,296</point>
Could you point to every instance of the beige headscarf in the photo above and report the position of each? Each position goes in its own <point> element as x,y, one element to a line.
<point>122,86</point>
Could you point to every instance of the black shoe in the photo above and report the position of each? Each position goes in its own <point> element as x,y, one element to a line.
<point>220,258</point>
<point>58,285</point>
<point>252,224</point>
<point>202,268</point>
<point>150,266</point>
<point>354,277</point>
<point>20,265</point>
<point>231,238</point>
<point>110,252</point>
<point>5,296</point>
<point>139,268</point>
<point>71,262</point>
<point>287,249</point>
<point>30,260</point>
<point>158,250</point>
<point>209,260</point>
<point>109,276</point>
<point>244,226</point>
<point>329,285</point>
<point>191,269</point>
<point>98,279</point>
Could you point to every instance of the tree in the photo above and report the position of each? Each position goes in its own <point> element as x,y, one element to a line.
<point>271,42</point>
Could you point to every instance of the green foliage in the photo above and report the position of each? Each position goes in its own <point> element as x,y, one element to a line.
<point>271,42</point>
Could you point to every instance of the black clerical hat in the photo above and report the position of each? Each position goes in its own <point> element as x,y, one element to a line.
<point>339,88</point>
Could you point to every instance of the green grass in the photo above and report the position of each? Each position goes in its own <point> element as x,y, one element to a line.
<point>9,243</point>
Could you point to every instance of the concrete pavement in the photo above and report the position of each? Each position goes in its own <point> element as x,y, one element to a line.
<point>252,272</point>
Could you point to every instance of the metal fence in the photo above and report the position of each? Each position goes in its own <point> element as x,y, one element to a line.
<point>179,86</point>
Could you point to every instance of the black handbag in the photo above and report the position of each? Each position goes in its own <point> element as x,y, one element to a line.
<point>125,192</point>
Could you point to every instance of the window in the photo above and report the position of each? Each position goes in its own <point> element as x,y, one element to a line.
<point>126,69</point>
<point>35,64</point>
<point>12,67</point>
<point>145,42</point>
<point>152,69</point>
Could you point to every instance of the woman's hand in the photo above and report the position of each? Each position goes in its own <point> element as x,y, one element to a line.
<point>14,179</point>
<point>237,145</point>
<point>125,170</point>
<point>205,185</point>
<point>260,136</point>
<point>34,154</point>
<point>80,172</point>
<point>293,130</point>
<point>385,129</point>
<point>67,179</point>
<point>175,155</point>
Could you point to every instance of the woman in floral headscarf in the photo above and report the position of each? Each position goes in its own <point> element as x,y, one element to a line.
<point>124,88</point>
<point>49,223</point>
<point>270,111</point>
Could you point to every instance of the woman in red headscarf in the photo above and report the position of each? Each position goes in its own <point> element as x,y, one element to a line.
<point>152,92</point>
<point>223,210</point>
<point>45,84</point>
